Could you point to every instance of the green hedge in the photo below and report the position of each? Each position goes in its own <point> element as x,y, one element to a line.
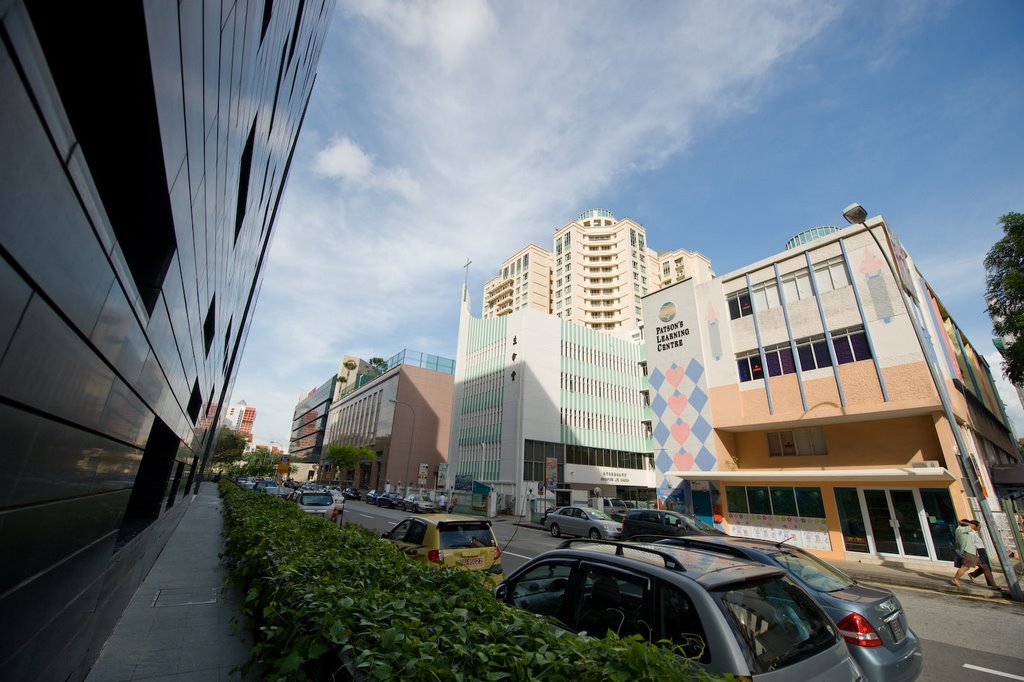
<point>329,603</point>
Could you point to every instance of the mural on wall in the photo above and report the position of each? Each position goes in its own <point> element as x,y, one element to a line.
<point>809,533</point>
<point>682,435</point>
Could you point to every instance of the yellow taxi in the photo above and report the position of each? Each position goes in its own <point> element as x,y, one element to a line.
<point>465,542</point>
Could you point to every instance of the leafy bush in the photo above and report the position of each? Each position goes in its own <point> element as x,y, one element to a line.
<point>329,603</point>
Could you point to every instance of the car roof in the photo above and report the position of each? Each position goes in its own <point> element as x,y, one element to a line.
<point>440,519</point>
<point>709,569</point>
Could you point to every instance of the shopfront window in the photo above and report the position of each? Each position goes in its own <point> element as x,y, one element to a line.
<point>851,520</point>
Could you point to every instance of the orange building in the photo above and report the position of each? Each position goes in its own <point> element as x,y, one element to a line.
<point>793,397</point>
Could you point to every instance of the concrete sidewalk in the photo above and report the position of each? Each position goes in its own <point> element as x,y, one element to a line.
<point>178,624</point>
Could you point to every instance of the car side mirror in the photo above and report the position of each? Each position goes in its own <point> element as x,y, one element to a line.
<point>385,535</point>
<point>501,592</point>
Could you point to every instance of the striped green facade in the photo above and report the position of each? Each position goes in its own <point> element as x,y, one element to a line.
<point>479,436</point>
<point>601,401</point>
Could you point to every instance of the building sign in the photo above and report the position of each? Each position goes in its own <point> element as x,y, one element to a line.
<point>442,475</point>
<point>422,479</point>
<point>590,475</point>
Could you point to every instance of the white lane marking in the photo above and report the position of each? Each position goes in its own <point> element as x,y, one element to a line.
<point>993,672</point>
<point>518,555</point>
<point>367,516</point>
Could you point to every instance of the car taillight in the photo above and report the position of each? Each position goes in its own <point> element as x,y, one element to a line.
<point>436,556</point>
<point>497,552</point>
<point>856,630</point>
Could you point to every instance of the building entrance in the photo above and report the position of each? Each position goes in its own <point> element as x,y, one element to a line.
<point>905,522</point>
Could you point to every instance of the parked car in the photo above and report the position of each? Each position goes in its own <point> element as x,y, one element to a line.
<point>350,494</point>
<point>722,614</point>
<point>582,521</point>
<point>662,522</point>
<point>269,487</point>
<point>464,542</point>
<point>371,496</point>
<point>418,504</point>
<point>870,619</point>
<point>390,500</point>
<point>609,505</point>
<point>318,503</point>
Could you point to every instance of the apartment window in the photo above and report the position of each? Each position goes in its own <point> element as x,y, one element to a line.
<point>568,236</point>
<point>797,285</point>
<point>558,263</point>
<point>632,237</point>
<point>568,288</point>
<point>797,443</point>
<point>568,256</point>
<point>766,296</point>
<point>851,345</point>
<point>640,242</point>
<point>558,294</point>
<point>568,301</point>
<point>831,275</point>
<point>739,305</point>
<point>750,367</point>
<point>638,311</point>
<point>526,260</point>
<point>505,273</point>
<point>665,270</point>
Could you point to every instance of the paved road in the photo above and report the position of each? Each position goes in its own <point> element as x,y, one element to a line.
<point>962,639</point>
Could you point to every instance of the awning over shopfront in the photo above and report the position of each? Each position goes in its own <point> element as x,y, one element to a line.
<point>1009,475</point>
<point>901,474</point>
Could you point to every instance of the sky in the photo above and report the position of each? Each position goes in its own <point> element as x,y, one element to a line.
<point>463,129</point>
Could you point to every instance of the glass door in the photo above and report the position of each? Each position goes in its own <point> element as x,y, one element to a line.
<point>881,522</point>
<point>908,522</point>
<point>895,518</point>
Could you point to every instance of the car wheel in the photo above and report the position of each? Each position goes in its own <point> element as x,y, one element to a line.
<point>555,530</point>
<point>595,534</point>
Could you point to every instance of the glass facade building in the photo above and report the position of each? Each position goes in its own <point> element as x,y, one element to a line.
<point>143,152</point>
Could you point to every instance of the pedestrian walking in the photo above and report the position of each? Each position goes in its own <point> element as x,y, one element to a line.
<point>965,549</point>
<point>442,503</point>
<point>984,565</point>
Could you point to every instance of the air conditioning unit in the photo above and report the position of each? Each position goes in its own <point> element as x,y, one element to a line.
<point>926,465</point>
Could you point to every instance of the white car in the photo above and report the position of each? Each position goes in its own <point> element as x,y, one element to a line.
<point>318,503</point>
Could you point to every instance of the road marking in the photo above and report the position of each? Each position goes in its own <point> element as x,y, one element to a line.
<point>517,555</point>
<point>993,672</point>
<point>367,516</point>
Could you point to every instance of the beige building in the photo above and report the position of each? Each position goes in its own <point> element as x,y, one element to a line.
<point>597,272</point>
<point>791,396</point>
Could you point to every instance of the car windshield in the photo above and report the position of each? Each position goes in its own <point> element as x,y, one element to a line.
<point>316,499</point>
<point>776,620</point>
<point>598,515</point>
<point>700,525</point>
<point>466,534</point>
<point>816,573</point>
<point>616,502</point>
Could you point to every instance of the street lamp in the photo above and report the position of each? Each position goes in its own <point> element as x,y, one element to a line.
<point>408,461</point>
<point>856,215</point>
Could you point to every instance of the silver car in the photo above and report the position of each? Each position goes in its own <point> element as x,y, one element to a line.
<point>582,521</point>
<point>318,503</point>
<point>870,619</point>
<point>418,504</point>
<point>717,613</point>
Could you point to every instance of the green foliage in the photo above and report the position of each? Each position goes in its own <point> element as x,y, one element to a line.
<point>230,446</point>
<point>259,462</point>
<point>330,603</point>
<point>378,364</point>
<point>1004,281</point>
<point>347,457</point>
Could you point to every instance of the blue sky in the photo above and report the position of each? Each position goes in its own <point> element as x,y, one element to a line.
<point>444,131</point>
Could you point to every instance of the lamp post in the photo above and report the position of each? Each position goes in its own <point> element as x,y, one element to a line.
<point>856,215</point>
<point>408,461</point>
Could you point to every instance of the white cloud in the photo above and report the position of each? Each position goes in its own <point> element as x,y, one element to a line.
<point>449,28</point>
<point>344,159</point>
<point>480,128</point>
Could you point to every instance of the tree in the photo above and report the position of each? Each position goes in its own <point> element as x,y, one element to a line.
<point>1004,281</point>
<point>230,446</point>
<point>347,457</point>
<point>379,364</point>
<point>259,462</point>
